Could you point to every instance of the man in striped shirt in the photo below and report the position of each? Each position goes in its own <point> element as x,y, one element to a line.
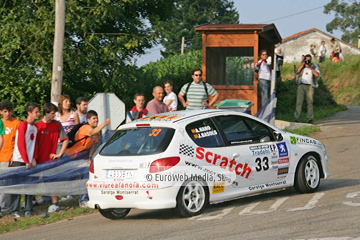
<point>197,93</point>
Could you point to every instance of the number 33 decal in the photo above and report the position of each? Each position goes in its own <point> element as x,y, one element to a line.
<point>155,132</point>
<point>262,165</point>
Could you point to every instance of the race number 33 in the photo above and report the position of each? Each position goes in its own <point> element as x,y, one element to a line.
<point>262,164</point>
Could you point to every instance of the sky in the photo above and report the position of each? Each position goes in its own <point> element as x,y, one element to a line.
<point>289,17</point>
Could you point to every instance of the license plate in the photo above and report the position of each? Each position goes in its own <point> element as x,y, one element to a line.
<point>119,174</point>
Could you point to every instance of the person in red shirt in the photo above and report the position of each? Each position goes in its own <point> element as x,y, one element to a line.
<point>49,133</point>
<point>138,111</point>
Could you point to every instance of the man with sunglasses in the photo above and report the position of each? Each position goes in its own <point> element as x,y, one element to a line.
<point>197,93</point>
<point>263,75</point>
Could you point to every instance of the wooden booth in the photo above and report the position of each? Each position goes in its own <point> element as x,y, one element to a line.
<point>229,52</point>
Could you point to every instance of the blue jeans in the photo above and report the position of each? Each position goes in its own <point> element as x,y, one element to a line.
<point>83,198</point>
<point>264,88</point>
<point>15,198</point>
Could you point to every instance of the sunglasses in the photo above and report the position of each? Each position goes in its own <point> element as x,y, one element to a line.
<point>264,54</point>
<point>197,75</point>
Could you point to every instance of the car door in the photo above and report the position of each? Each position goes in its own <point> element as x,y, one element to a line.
<point>207,155</point>
<point>252,145</point>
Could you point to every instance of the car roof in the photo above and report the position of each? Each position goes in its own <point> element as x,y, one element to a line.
<point>176,118</point>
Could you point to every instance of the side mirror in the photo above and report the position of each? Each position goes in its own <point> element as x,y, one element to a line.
<point>264,139</point>
<point>278,136</point>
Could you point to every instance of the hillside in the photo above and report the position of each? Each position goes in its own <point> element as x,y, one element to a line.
<point>342,80</point>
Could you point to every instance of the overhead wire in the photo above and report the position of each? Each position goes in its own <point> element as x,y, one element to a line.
<point>312,9</point>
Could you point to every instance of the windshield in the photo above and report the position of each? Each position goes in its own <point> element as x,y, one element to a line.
<point>138,141</point>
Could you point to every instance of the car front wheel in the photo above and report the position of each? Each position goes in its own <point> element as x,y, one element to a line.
<point>307,175</point>
<point>114,213</point>
<point>192,198</point>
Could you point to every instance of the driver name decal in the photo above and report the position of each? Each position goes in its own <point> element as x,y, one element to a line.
<point>201,129</point>
<point>202,132</point>
<point>205,134</point>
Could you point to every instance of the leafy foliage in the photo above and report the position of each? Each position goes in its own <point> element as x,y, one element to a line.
<point>175,68</point>
<point>347,19</point>
<point>186,15</point>
<point>239,71</point>
<point>324,99</point>
<point>100,38</point>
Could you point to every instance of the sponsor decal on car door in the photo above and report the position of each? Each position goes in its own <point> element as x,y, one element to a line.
<point>268,162</point>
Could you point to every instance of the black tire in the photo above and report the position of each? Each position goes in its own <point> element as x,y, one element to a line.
<point>114,213</point>
<point>192,199</point>
<point>307,177</point>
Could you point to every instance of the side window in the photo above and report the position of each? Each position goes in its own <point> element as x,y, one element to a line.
<point>242,130</point>
<point>261,130</point>
<point>204,133</point>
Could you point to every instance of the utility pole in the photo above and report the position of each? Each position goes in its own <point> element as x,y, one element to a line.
<point>182,45</point>
<point>57,72</point>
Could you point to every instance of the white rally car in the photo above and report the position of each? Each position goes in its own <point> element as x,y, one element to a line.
<point>187,159</point>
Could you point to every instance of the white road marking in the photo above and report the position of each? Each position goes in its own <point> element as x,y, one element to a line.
<point>217,216</point>
<point>352,195</point>
<point>331,238</point>
<point>249,209</point>
<point>310,205</point>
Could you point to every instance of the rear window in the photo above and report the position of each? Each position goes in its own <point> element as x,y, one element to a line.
<point>138,141</point>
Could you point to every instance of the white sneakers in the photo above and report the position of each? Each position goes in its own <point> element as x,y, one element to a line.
<point>53,208</point>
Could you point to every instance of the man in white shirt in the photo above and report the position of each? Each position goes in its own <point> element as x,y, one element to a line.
<point>307,81</point>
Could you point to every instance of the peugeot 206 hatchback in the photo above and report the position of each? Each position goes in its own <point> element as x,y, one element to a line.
<point>188,159</point>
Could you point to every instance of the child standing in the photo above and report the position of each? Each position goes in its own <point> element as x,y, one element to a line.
<point>138,111</point>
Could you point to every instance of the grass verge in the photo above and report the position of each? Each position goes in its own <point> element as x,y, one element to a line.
<point>319,113</point>
<point>69,210</point>
<point>304,131</point>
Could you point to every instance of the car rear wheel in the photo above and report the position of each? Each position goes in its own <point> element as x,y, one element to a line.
<point>192,198</point>
<point>307,178</point>
<point>114,213</point>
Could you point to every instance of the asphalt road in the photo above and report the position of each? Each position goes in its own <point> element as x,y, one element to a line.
<point>333,212</point>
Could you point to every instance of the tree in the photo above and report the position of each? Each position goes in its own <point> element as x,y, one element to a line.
<point>100,38</point>
<point>347,19</point>
<point>186,15</point>
<point>175,68</point>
